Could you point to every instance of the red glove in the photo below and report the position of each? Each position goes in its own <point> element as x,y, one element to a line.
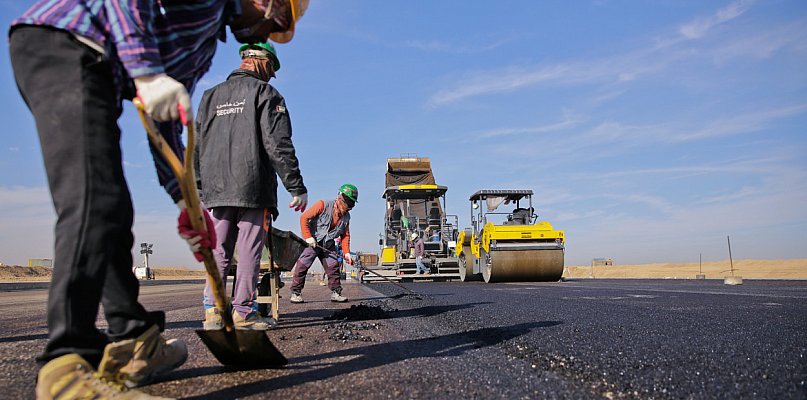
<point>196,240</point>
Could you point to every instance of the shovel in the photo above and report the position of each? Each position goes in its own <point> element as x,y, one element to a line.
<point>232,347</point>
<point>337,255</point>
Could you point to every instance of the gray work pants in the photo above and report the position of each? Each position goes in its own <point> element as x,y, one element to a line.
<point>239,230</point>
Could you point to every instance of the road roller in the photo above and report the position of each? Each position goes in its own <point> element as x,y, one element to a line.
<point>506,242</point>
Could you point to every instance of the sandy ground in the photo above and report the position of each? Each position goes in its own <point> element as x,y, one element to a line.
<point>747,269</point>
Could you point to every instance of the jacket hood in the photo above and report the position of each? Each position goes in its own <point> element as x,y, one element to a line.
<point>242,73</point>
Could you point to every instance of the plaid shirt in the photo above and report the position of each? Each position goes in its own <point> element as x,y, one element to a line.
<point>140,38</point>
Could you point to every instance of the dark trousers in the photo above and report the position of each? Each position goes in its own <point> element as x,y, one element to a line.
<point>69,89</point>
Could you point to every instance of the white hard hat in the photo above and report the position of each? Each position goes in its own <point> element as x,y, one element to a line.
<point>414,235</point>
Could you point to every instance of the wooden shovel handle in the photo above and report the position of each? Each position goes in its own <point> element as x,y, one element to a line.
<point>186,178</point>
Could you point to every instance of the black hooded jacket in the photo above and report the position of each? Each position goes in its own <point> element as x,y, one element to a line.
<point>244,143</point>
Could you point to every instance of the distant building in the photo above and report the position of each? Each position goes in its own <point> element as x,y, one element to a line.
<point>602,262</point>
<point>40,262</point>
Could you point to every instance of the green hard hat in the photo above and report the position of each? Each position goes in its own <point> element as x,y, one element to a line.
<point>350,191</point>
<point>261,46</point>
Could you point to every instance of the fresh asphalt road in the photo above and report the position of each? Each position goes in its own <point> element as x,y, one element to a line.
<point>583,339</point>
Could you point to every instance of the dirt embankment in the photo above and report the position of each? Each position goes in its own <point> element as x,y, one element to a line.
<point>177,273</point>
<point>17,273</point>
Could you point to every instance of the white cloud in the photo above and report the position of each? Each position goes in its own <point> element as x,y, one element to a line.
<point>701,26</point>
<point>657,57</point>
<point>568,120</point>
<point>445,47</point>
<point>763,43</point>
<point>740,123</point>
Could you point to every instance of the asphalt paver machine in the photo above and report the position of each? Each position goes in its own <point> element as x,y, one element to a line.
<point>506,242</point>
<point>415,204</point>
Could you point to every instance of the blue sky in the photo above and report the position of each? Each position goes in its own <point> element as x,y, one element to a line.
<point>649,130</point>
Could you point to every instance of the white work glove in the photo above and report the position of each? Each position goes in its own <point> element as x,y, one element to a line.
<point>349,258</point>
<point>161,95</point>
<point>311,242</point>
<point>299,202</point>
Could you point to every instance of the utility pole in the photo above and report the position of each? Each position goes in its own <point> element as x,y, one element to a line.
<point>145,250</point>
<point>700,267</point>
<point>731,261</point>
<point>732,280</point>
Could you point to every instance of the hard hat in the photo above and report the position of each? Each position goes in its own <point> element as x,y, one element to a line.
<point>261,20</point>
<point>260,50</point>
<point>414,235</point>
<point>298,8</point>
<point>350,191</point>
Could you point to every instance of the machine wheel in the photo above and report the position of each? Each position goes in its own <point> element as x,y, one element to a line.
<point>485,265</point>
<point>466,265</point>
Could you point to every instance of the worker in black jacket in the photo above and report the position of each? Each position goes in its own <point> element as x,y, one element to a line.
<point>244,144</point>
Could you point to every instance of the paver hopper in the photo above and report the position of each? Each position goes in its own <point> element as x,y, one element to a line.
<point>519,248</point>
<point>415,204</point>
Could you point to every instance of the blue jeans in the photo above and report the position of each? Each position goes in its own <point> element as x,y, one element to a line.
<point>419,263</point>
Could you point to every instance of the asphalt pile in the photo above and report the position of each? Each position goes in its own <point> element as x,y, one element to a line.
<point>348,331</point>
<point>364,311</point>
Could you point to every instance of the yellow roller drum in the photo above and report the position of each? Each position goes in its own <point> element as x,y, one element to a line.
<point>522,265</point>
<point>466,257</point>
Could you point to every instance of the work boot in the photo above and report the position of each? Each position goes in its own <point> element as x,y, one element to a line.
<point>72,377</point>
<point>140,360</point>
<point>213,321</point>
<point>296,297</point>
<point>253,322</point>
<point>336,295</point>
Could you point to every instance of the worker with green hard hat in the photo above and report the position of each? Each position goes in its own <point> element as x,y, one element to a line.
<point>244,145</point>
<point>326,229</point>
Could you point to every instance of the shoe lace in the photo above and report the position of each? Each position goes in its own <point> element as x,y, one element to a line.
<point>114,380</point>
<point>104,384</point>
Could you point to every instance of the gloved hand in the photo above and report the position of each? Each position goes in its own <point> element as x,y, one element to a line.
<point>349,258</point>
<point>299,202</point>
<point>196,240</point>
<point>311,242</point>
<point>161,95</point>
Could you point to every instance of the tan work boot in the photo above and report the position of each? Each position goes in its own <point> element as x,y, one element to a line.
<point>72,377</point>
<point>296,298</point>
<point>254,322</point>
<point>140,360</point>
<point>336,296</point>
<point>213,321</point>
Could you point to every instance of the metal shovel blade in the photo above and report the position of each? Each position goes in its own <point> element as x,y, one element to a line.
<point>242,348</point>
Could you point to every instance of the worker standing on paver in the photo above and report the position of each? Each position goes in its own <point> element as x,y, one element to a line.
<point>321,226</point>
<point>74,62</point>
<point>418,245</point>
<point>244,145</point>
